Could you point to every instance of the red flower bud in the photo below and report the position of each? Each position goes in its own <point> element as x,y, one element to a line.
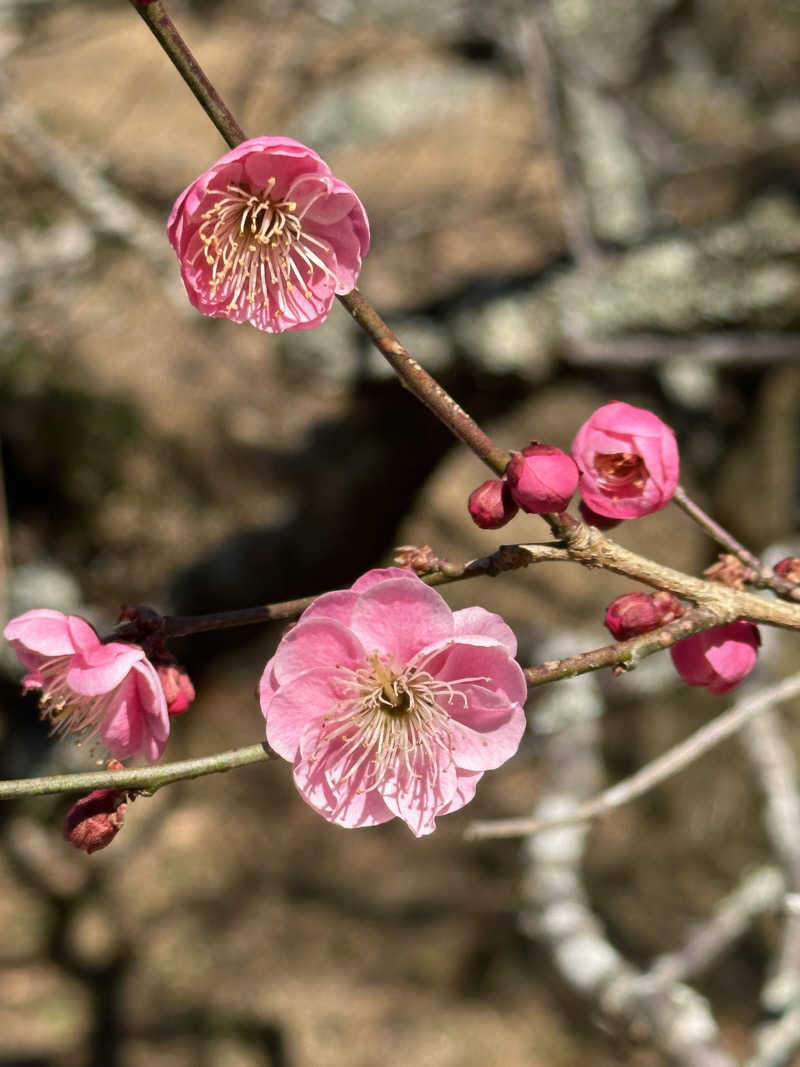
<point>491,506</point>
<point>94,821</point>
<point>719,658</point>
<point>542,478</point>
<point>637,613</point>
<point>177,686</point>
<point>789,568</point>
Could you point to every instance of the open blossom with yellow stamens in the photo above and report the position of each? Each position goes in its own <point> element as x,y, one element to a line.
<point>269,236</point>
<point>390,704</point>
<point>102,692</point>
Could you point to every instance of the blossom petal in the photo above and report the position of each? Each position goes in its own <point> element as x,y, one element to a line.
<point>486,730</point>
<point>466,784</point>
<point>478,658</point>
<point>351,807</point>
<point>319,641</point>
<point>296,705</point>
<point>398,617</point>
<point>337,605</point>
<point>42,633</point>
<point>380,574</point>
<point>99,669</point>
<point>471,621</point>
<point>419,792</point>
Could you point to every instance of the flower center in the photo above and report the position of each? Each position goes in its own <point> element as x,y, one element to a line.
<point>619,471</point>
<point>65,710</point>
<point>388,720</point>
<point>259,252</point>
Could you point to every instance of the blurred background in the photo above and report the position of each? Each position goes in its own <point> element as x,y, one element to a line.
<point>572,201</point>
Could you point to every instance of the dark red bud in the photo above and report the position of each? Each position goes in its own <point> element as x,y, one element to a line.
<point>94,821</point>
<point>637,613</point>
<point>491,506</point>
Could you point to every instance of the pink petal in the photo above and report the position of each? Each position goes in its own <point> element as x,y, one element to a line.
<point>471,621</point>
<point>137,722</point>
<point>296,705</point>
<point>478,658</point>
<point>380,574</point>
<point>486,731</point>
<point>398,617</point>
<point>102,668</point>
<point>417,794</point>
<point>316,642</point>
<point>337,605</point>
<point>351,807</point>
<point>41,632</point>
<point>466,784</point>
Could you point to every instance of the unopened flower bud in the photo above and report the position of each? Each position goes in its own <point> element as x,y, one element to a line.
<point>420,558</point>
<point>491,506</point>
<point>177,686</point>
<point>542,478</point>
<point>94,821</point>
<point>789,568</point>
<point>637,613</point>
<point>719,658</point>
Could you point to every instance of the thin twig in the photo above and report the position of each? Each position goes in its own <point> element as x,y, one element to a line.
<point>652,774</point>
<point>715,531</point>
<point>138,779</point>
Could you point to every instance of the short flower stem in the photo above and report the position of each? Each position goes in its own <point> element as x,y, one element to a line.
<point>139,779</point>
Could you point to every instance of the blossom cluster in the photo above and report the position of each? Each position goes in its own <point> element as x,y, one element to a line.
<point>624,460</point>
<point>387,703</point>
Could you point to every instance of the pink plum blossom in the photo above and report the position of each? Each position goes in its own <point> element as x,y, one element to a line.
<point>719,658</point>
<point>109,692</point>
<point>268,236</point>
<point>541,478</point>
<point>628,459</point>
<point>389,704</point>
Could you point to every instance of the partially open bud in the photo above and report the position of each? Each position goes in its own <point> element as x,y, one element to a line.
<point>177,686</point>
<point>94,821</point>
<point>542,478</point>
<point>491,506</point>
<point>719,658</point>
<point>628,460</point>
<point>789,568</point>
<point>637,613</point>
